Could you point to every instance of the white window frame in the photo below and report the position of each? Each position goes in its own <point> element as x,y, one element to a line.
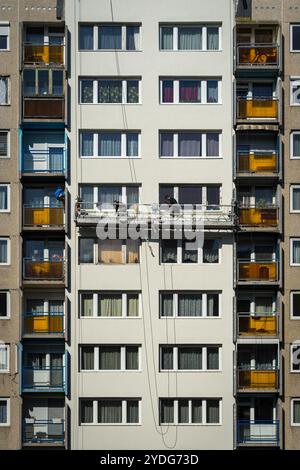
<point>292,187</point>
<point>122,348</point>
<point>186,25</point>
<point>7,348</point>
<point>124,411</point>
<point>292,412</point>
<point>6,24</point>
<point>124,192</point>
<point>203,134</point>
<point>8,305</point>
<point>96,27</point>
<point>7,185</point>
<point>176,355</point>
<point>292,293</point>
<point>294,81</point>
<point>4,131</point>
<point>124,90</point>
<point>176,301</point>
<point>293,25</point>
<point>124,304</point>
<point>123,144</point>
<point>203,90</point>
<point>292,347</point>
<point>190,400</point>
<point>292,156</point>
<point>7,77</point>
<point>8,251</point>
<point>7,412</point>
<point>199,253</point>
<point>292,240</point>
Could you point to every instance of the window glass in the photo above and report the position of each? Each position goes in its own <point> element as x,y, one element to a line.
<point>86,37</point>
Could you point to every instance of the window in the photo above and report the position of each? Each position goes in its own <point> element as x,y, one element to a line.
<point>110,304</point>
<point>4,198</point>
<point>295,198</point>
<point>207,196</point>
<point>110,357</point>
<point>190,90</point>
<point>189,357</point>
<point>190,37</point>
<point>4,412</point>
<point>295,305</point>
<point>295,251</point>
<point>295,412</point>
<point>109,37</point>
<point>295,357</point>
<point>295,145</point>
<point>189,411</point>
<point>86,250</point>
<point>110,144</point>
<point>43,82</point>
<point>4,144</point>
<point>4,37</point>
<point>173,251</point>
<point>4,358</point>
<point>110,411</point>
<point>95,196</point>
<point>295,38</point>
<point>4,90</point>
<point>108,251</point>
<point>110,91</point>
<point>4,305</point>
<point>295,91</point>
<point>189,304</point>
<point>190,144</point>
<point>4,251</point>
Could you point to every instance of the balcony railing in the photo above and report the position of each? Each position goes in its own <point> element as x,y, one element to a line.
<point>42,431</point>
<point>257,162</point>
<point>44,107</point>
<point>43,323</point>
<point>257,55</point>
<point>43,269</point>
<point>258,431</point>
<point>254,324</point>
<point>89,213</point>
<point>43,54</point>
<point>253,216</point>
<point>43,379</point>
<point>256,379</point>
<point>257,108</point>
<point>44,161</point>
<point>42,216</point>
<point>257,271</point>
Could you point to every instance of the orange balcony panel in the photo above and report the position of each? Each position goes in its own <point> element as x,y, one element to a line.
<point>265,325</point>
<point>257,109</point>
<point>248,271</point>
<point>258,379</point>
<point>43,54</point>
<point>43,216</point>
<point>44,324</point>
<point>257,55</point>
<point>254,216</point>
<point>257,163</point>
<point>43,270</point>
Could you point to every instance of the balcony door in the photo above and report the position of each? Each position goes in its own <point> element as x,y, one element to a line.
<point>56,370</point>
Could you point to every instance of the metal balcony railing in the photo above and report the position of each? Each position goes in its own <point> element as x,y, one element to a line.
<point>43,323</point>
<point>255,216</point>
<point>42,216</point>
<point>257,162</point>
<point>257,108</point>
<point>43,379</point>
<point>257,431</point>
<point>257,270</point>
<point>257,379</point>
<point>43,54</point>
<point>44,161</point>
<point>43,269</point>
<point>254,324</point>
<point>257,55</point>
<point>39,107</point>
<point>42,431</point>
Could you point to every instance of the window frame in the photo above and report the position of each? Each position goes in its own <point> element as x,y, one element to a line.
<point>96,261</point>
<point>123,351</point>
<point>8,305</point>
<point>50,93</point>
<point>294,80</point>
<point>190,400</point>
<point>124,411</point>
<point>176,294</point>
<point>96,36</point>
<point>292,347</point>
<point>7,77</point>
<point>293,25</point>
<point>176,135</point>
<point>292,156</point>
<point>6,24</point>
<point>8,251</point>
<point>292,187</point>
<point>7,347</point>
<point>292,293</point>
<point>7,424</point>
<point>7,132</point>
<point>204,26</point>
<point>199,253</point>
<point>7,185</point>
<point>124,81</point>
<point>123,135</point>
<point>292,412</point>
<point>98,294</point>
<point>203,347</point>
<point>292,240</point>
<point>203,90</point>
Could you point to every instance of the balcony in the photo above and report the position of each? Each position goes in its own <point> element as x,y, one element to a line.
<point>257,271</point>
<point>258,217</point>
<point>257,109</point>
<point>257,56</point>
<point>44,108</point>
<point>257,162</point>
<point>43,54</point>
<point>51,161</point>
<point>44,379</point>
<point>43,323</point>
<point>43,269</point>
<point>256,325</point>
<point>36,431</point>
<point>258,432</point>
<point>257,380</point>
<point>50,217</point>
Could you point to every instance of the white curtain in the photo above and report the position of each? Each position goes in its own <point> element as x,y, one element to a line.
<point>190,38</point>
<point>3,197</point>
<point>296,252</point>
<point>190,305</point>
<point>110,411</point>
<point>132,38</point>
<point>296,199</point>
<point>110,37</point>
<point>189,144</point>
<point>3,358</point>
<point>132,305</point>
<point>213,38</point>
<point>3,251</point>
<point>86,305</point>
<point>212,411</point>
<point>109,358</point>
<point>132,411</point>
<point>183,411</point>
<point>86,411</point>
<point>87,144</point>
<point>110,305</point>
<point>190,358</point>
<point>296,145</point>
<point>3,90</point>
<point>166,305</point>
<point>212,91</point>
<point>196,411</point>
<point>167,411</point>
<point>212,358</point>
<point>86,33</point>
<point>166,37</point>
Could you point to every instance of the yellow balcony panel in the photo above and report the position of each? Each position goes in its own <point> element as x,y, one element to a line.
<point>254,216</point>
<point>257,163</point>
<point>47,324</point>
<point>258,379</point>
<point>257,271</point>
<point>43,216</point>
<point>43,270</point>
<point>265,325</point>
<point>257,55</point>
<point>257,109</point>
<point>43,54</point>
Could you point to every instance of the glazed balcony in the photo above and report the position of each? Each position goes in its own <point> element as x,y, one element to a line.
<point>40,108</point>
<point>43,54</point>
<point>259,217</point>
<point>43,269</point>
<point>46,216</point>
<point>258,432</point>
<point>257,109</point>
<point>43,323</point>
<point>44,379</point>
<point>251,379</point>
<point>257,325</point>
<point>45,162</point>
<point>257,162</point>
<point>257,271</point>
<point>257,56</point>
<point>37,431</point>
